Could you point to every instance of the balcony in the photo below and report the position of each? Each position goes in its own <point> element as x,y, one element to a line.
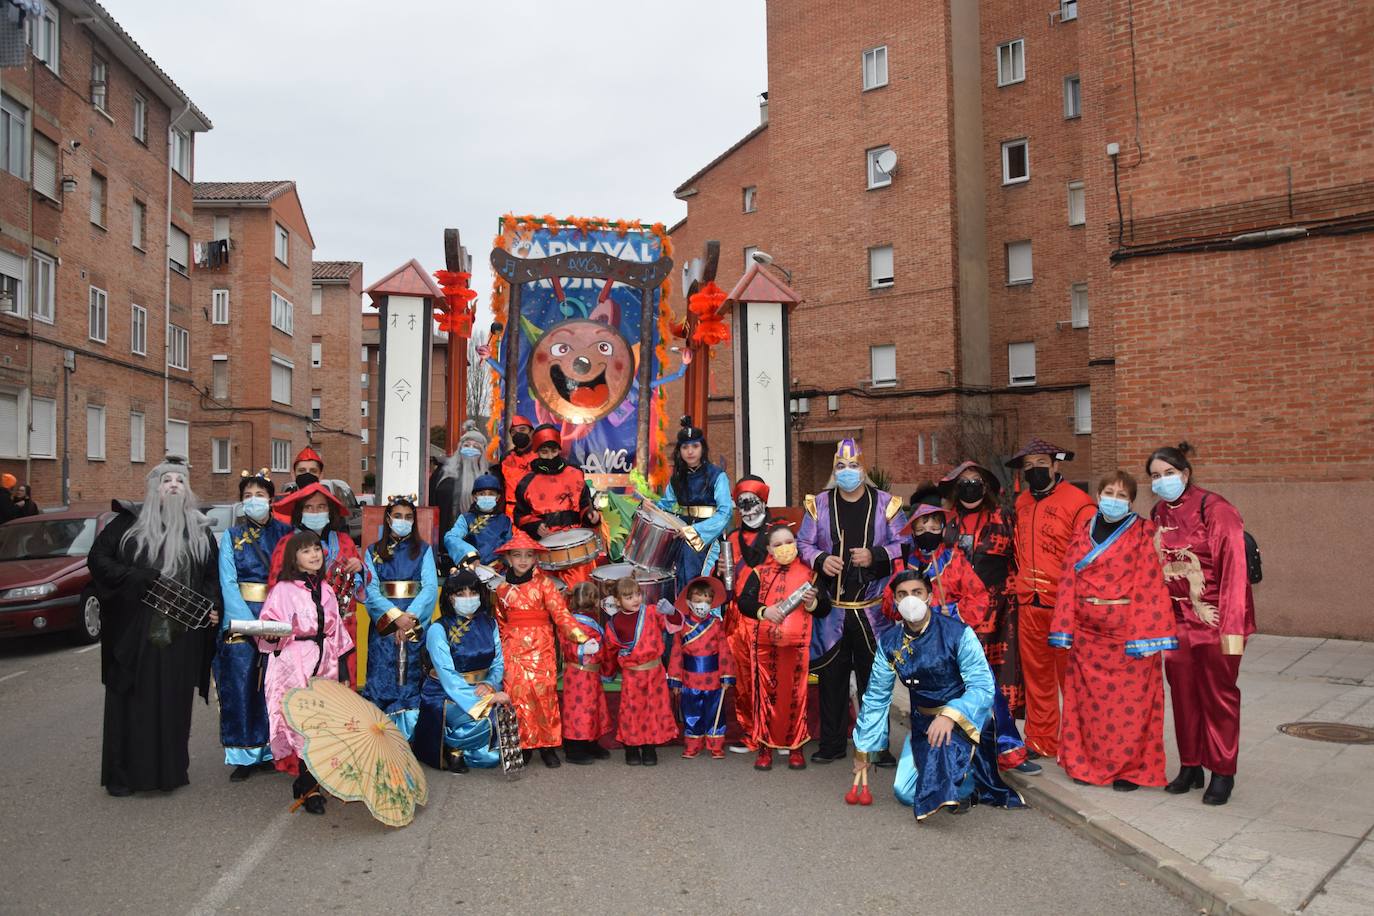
<point>212,254</point>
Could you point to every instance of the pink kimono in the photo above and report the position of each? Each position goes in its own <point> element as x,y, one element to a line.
<point>295,659</point>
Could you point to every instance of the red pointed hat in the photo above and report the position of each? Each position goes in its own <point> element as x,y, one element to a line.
<point>287,504</point>
<point>520,540</point>
<point>518,420</point>
<point>1038,446</point>
<point>711,582</point>
<point>307,454</point>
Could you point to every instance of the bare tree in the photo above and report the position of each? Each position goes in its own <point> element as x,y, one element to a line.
<point>479,381</point>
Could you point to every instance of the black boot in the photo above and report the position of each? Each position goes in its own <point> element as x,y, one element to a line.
<point>240,773</point>
<point>885,760</point>
<point>118,791</point>
<point>1219,790</point>
<point>1188,779</point>
<point>527,753</point>
<point>576,752</point>
<point>457,762</point>
<point>550,758</point>
<point>303,783</point>
<point>314,801</point>
<point>649,755</point>
<point>1124,785</point>
<point>597,751</point>
<point>632,756</point>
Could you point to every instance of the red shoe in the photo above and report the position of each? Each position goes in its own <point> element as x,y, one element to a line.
<point>764,761</point>
<point>693,746</point>
<point>716,746</point>
<point>796,760</point>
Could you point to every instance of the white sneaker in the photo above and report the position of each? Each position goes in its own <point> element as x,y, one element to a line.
<point>740,749</point>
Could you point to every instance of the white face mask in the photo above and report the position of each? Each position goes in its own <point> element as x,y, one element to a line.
<point>466,605</point>
<point>700,608</point>
<point>912,609</point>
<point>610,605</point>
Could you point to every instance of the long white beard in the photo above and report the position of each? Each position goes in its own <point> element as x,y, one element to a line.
<point>169,533</point>
<point>463,471</point>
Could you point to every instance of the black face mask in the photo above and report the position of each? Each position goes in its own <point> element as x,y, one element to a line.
<point>520,440</point>
<point>547,465</point>
<point>1038,479</point>
<point>971,490</point>
<point>305,480</point>
<point>929,540</point>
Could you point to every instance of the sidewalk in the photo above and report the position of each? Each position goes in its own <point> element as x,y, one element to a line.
<point>1298,833</point>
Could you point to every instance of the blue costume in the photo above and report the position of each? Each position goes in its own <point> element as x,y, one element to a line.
<point>464,652</point>
<point>705,504</point>
<point>944,669</point>
<point>403,580</point>
<point>245,561</point>
<point>479,533</point>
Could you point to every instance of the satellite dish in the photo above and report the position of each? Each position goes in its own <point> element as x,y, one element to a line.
<point>886,162</point>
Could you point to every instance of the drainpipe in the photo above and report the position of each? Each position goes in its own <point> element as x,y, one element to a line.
<point>167,297</point>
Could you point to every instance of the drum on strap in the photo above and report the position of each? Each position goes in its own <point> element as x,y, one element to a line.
<point>655,583</point>
<point>653,536</point>
<point>566,549</point>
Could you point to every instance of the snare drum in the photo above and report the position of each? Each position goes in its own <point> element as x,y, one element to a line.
<point>652,540</point>
<point>566,549</point>
<point>655,583</point>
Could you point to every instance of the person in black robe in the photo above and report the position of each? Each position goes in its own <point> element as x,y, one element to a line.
<point>151,665</point>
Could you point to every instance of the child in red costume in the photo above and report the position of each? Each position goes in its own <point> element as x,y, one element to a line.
<point>955,589</point>
<point>552,497</point>
<point>585,716</point>
<point>701,666</point>
<point>634,635</point>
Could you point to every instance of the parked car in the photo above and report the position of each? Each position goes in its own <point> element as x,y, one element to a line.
<point>353,510</point>
<point>221,516</point>
<point>44,583</point>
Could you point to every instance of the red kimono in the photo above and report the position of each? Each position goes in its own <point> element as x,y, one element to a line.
<point>1201,540</point>
<point>514,467</point>
<point>739,628</point>
<point>1113,616</point>
<point>985,537</point>
<point>585,716</point>
<point>559,501</point>
<point>636,644</point>
<point>527,613</point>
<point>701,666</point>
<point>956,590</point>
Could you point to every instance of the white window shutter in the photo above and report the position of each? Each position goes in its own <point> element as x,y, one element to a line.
<point>9,424</point>
<point>41,443</point>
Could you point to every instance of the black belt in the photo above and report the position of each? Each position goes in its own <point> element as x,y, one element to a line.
<point>563,518</point>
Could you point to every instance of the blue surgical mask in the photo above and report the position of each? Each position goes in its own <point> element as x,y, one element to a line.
<point>468,451</point>
<point>315,521</point>
<point>486,503</point>
<point>466,605</point>
<point>401,527</point>
<point>849,478</point>
<point>256,508</point>
<point>1168,488</point>
<point>1113,508</point>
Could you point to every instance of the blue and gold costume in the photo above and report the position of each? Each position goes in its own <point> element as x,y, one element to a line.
<point>944,669</point>
<point>464,652</point>
<point>399,578</point>
<point>478,534</point>
<point>705,504</point>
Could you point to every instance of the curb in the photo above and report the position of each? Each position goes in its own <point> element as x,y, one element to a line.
<point>1140,851</point>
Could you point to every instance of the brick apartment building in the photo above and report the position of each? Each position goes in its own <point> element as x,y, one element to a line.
<point>986,289</point>
<point>336,313</point>
<point>96,163</point>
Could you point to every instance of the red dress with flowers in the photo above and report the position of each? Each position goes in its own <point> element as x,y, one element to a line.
<point>635,642</point>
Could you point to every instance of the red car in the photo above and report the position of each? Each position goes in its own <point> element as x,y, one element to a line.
<point>44,583</point>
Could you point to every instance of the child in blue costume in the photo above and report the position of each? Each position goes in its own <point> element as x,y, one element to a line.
<point>245,564</point>
<point>464,681</point>
<point>402,588</point>
<point>950,760</point>
<point>478,533</point>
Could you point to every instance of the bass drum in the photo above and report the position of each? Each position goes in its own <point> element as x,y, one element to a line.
<point>655,583</point>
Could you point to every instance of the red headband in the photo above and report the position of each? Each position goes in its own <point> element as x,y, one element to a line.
<point>757,487</point>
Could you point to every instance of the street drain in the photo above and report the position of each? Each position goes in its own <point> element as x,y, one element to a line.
<point>1335,732</point>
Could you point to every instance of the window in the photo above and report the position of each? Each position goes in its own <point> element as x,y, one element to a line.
<point>221,228</point>
<point>14,148</point>
<point>178,438</point>
<point>45,38</point>
<point>100,82</point>
<point>219,377</point>
<point>135,437</point>
<point>178,249</point>
<point>14,272</point>
<point>98,199</point>
<point>219,456</point>
<point>140,118</point>
<point>1021,363</point>
<point>364,379</point>
<point>1011,62</point>
<point>1015,161</point>
<point>880,267</point>
<point>95,433</point>
<point>1082,410</point>
<point>751,202</point>
<point>283,314</point>
<point>316,353</point>
<point>364,409</point>
<point>875,68</point>
<point>99,314</point>
<point>1073,97</point>
<point>10,440</point>
<point>884,362</point>
<point>877,178</point>
<point>1068,10</point>
<point>281,454</point>
<point>138,330</point>
<point>43,432</point>
<point>364,435</point>
<point>749,256</point>
<point>315,406</point>
<point>316,300</point>
<point>283,244</point>
<point>1078,204</point>
<point>140,218</point>
<point>1019,262</point>
<point>181,153</point>
<point>1078,305</point>
<point>364,463</point>
<point>178,347</point>
<point>44,166</point>
<point>281,380</point>
<point>44,288</point>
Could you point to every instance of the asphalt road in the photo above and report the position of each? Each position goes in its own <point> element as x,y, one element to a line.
<point>689,836</point>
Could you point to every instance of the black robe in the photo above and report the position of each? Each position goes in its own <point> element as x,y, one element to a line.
<point>148,689</point>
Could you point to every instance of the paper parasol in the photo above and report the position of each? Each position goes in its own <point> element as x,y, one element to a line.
<point>355,751</point>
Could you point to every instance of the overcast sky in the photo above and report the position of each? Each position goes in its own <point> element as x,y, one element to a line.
<point>399,119</point>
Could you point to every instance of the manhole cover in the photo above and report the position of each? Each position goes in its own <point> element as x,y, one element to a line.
<point>1336,732</point>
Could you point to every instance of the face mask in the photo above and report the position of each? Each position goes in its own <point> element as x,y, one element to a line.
<point>912,609</point>
<point>547,465</point>
<point>468,451</point>
<point>315,521</point>
<point>849,478</point>
<point>700,608</point>
<point>305,480</point>
<point>929,540</point>
<point>1113,508</point>
<point>1037,479</point>
<point>401,527</point>
<point>256,508</point>
<point>784,554</point>
<point>486,503</point>
<point>970,490</point>
<point>466,605</point>
<point>1168,488</point>
<point>520,440</point>
<point>610,605</point>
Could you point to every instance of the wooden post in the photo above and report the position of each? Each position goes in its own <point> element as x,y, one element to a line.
<point>456,260</point>
<point>696,389</point>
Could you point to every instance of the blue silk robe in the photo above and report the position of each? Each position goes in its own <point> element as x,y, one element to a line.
<point>458,646</point>
<point>707,486</point>
<point>397,693</point>
<point>477,533</point>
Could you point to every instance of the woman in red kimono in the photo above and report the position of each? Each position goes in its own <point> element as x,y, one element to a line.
<point>635,636</point>
<point>585,715</point>
<point>528,608</point>
<point>1201,541</point>
<point>782,647</point>
<point>1112,614</point>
